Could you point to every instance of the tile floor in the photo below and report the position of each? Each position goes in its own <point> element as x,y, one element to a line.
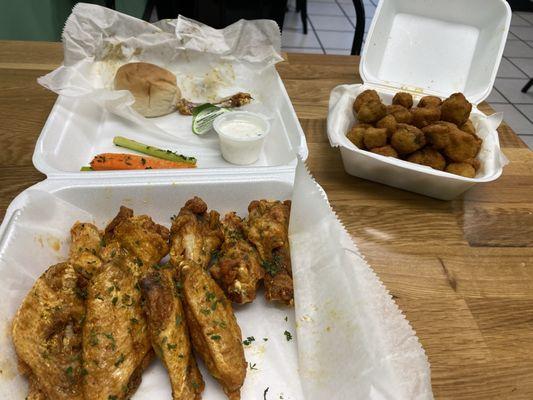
<point>331,25</point>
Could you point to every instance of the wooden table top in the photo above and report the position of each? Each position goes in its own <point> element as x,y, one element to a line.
<point>462,271</point>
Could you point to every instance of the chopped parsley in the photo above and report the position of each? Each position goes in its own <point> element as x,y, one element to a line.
<point>265,339</point>
<point>252,366</point>
<point>134,320</point>
<point>248,341</point>
<point>127,300</point>
<point>69,371</point>
<point>265,393</point>
<point>270,267</point>
<point>216,337</point>
<point>112,339</point>
<point>171,346</point>
<point>120,360</point>
<point>288,335</point>
<point>114,300</point>
<point>178,320</point>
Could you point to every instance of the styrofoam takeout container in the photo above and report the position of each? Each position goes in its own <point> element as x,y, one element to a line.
<point>160,198</point>
<point>427,47</point>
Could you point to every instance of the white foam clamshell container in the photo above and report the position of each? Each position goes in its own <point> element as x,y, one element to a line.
<point>427,47</point>
<point>159,197</point>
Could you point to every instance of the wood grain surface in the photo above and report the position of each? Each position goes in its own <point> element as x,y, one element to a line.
<point>462,271</point>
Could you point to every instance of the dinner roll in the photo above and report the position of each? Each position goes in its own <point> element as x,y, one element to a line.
<point>153,87</point>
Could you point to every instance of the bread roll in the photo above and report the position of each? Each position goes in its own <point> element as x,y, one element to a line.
<point>153,87</point>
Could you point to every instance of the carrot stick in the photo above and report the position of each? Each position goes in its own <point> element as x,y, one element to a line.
<point>120,161</point>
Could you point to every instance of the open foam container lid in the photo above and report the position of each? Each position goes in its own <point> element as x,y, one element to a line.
<point>436,47</point>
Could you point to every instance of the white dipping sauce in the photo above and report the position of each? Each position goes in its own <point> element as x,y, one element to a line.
<point>240,128</point>
<point>241,135</point>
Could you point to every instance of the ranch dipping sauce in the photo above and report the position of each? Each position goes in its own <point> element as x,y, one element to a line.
<point>240,128</point>
<point>241,135</point>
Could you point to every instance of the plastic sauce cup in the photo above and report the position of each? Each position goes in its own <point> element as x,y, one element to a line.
<point>241,135</point>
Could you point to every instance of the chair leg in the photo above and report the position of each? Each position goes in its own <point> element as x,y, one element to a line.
<point>303,14</point>
<point>359,27</point>
<point>150,4</point>
<point>528,86</point>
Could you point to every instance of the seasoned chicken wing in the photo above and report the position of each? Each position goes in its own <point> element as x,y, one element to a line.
<point>215,334</point>
<point>169,334</point>
<point>267,228</point>
<point>137,237</point>
<point>196,233</point>
<point>237,269</point>
<point>86,242</point>
<point>47,334</point>
<point>116,344</point>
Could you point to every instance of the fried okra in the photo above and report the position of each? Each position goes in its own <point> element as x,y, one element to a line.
<point>371,112</point>
<point>463,169</point>
<point>456,109</point>
<point>387,151</point>
<point>403,99</point>
<point>462,146</point>
<point>429,102</point>
<point>389,123</point>
<point>365,97</point>
<point>355,135</point>
<point>401,114</point>
<point>375,137</point>
<point>468,127</point>
<point>428,156</point>
<point>423,117</point>
<point>407,139</point>
<point>437,135</point>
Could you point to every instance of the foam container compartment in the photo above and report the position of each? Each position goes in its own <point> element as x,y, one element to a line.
<point>427,47</point>
<point>78,129</point>
<point>160,198</point>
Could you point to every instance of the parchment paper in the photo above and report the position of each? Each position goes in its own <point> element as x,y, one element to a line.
<point>209,64</point>
<point>353,341</point>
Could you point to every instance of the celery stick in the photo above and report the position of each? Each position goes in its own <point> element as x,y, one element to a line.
<point>86,169</point>
<point>151,151</point>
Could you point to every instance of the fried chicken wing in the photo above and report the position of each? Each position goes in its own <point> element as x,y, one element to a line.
<point>85,247</point>
<point>47,334</point>
<point>116,346</point>
<point>267,228</point>
<point>238,269</point>
<point>186,107</point>
<point>169,334</point>
<point>196,233</point>
<point>215,334</point>
<point>138,237</point>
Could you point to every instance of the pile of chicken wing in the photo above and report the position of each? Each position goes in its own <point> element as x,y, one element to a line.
<point>90,326</point>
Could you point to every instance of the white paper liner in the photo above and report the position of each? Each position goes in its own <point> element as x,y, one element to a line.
<point>209,64</point>
<point>353,341</point>
<point>38,237</point>
<point>341,118</point>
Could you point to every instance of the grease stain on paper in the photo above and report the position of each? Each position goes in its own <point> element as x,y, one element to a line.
<point>49,241</point>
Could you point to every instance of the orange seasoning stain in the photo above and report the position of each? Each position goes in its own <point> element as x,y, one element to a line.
<point>54,243</point>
